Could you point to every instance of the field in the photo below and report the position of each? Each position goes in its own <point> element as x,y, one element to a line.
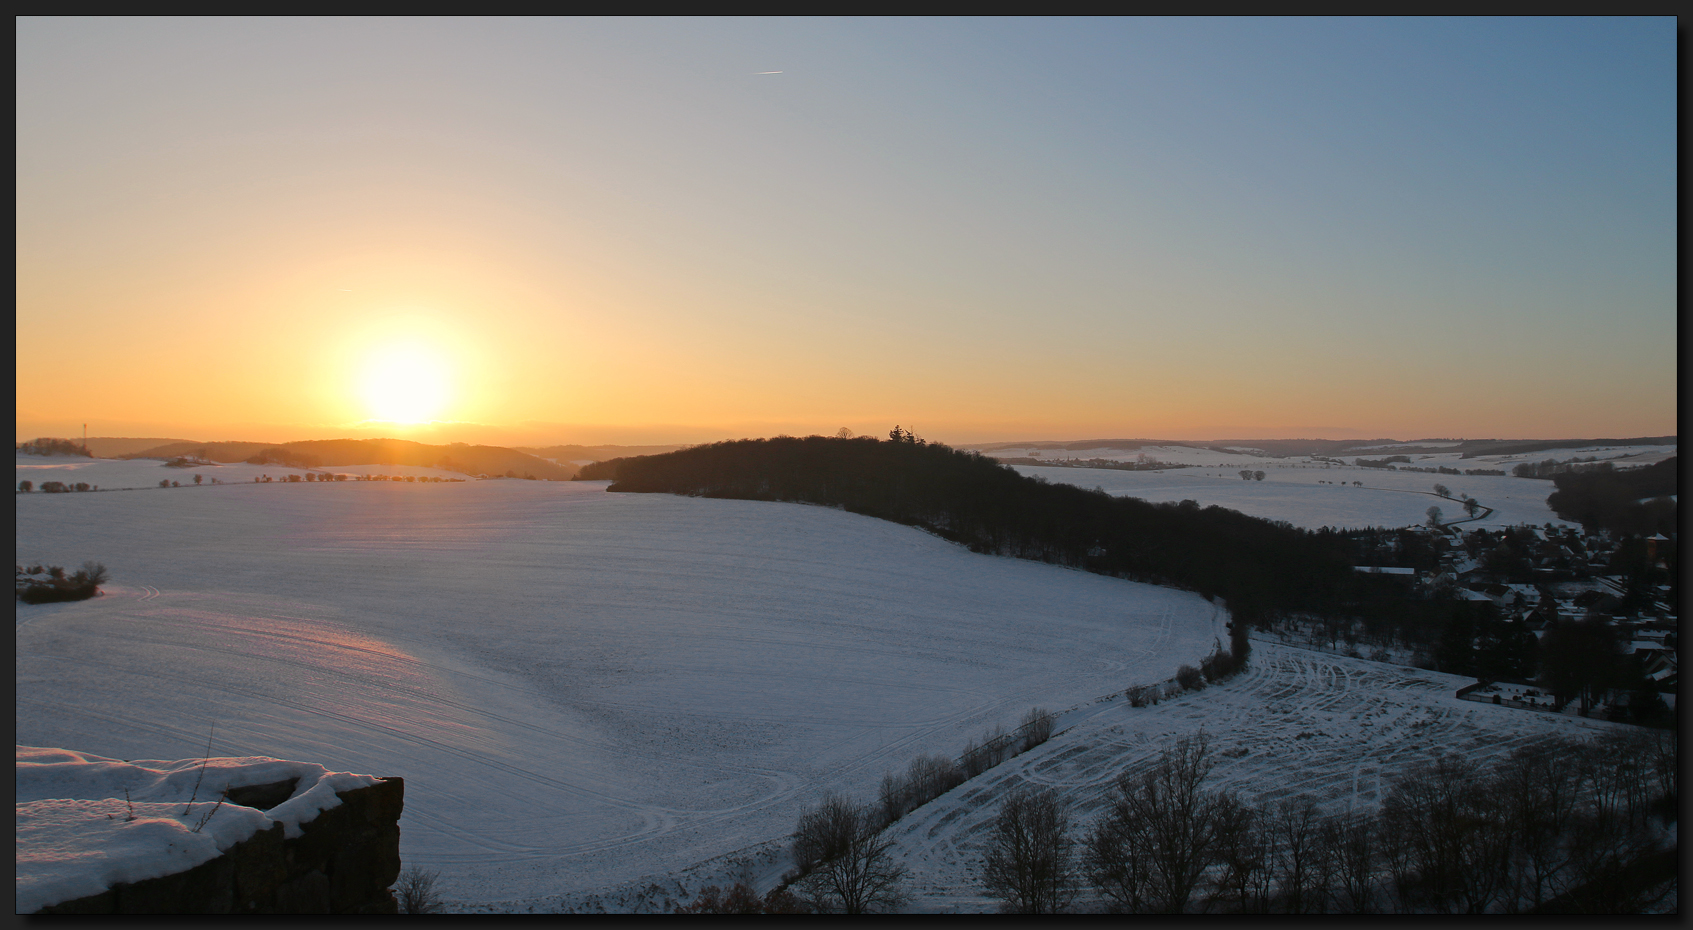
<point>1297,722</point>
<point>581,689</point>
<point>607,701</point>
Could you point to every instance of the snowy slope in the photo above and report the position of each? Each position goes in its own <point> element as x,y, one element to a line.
<point>1309,495</point>
<point>580,688</point>
<point>1297,722</point>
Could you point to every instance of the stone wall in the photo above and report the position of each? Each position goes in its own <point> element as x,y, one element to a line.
<point>344,862</point>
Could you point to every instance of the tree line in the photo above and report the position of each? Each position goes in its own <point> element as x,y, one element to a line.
<point>1560,826</point>
<point>46,446</point>
<point>1634,501</point>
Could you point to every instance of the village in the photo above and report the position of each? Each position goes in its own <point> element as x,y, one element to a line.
<point>1533,578</point>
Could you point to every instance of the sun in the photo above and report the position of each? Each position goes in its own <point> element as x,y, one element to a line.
<point>405,384</point>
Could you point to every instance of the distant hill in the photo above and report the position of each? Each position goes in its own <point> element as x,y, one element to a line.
<point>1468,448</point>
<point>1258,565</point>
<point>324,453</point>
<point>597,453</point>
<point>116,447</point>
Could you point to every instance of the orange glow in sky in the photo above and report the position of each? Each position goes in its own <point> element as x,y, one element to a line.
<point>547,231</point>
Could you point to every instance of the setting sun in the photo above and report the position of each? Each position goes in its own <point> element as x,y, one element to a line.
<point>404,384</point>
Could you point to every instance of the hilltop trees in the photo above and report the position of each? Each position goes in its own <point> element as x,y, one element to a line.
<point>45,446</point>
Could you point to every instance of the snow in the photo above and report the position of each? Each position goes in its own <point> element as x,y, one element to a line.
<point>1296,722</point>
<point>583,690</point>
<point>135,474</point>
<point>86,822</point>
<point>1291,492</point>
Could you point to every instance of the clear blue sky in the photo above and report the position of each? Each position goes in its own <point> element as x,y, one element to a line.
<point>992,229</point>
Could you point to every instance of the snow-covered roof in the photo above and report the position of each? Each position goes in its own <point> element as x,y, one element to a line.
<point>86,822</point>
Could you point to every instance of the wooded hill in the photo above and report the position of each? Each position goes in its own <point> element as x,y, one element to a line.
<point>597,453</point>
<point>1624,501</point>
<point>327,453</point>
<point>1467,448</point>
<point>1257,565</point>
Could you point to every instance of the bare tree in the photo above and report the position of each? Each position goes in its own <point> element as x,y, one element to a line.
<point>1257,476</point>
<point>1037,727</point>
<point>1434,517</point>
<point>1164,821</point>
<point>848,862</point>
<point>1117,860</point>
<point>1244,850</point>
<point>1028,865</point>
<point>1446,847</point>
<point>1352,838</point>
<point>415,892</point>
<point>1443,490</point>
<point>1297,828</point>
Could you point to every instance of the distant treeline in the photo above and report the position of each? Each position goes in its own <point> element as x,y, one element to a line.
<point>568,453</point>
<point>1635,501</point>
<point>50,447</point>
<point>1256,565</point>
<point>321,453</point>
<point>1528,447</point>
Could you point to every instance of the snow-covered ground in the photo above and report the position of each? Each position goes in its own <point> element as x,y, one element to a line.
<point>130,474</point>
<point>1308,494</point>
<point>581,689</point>
<point>1295,722</point>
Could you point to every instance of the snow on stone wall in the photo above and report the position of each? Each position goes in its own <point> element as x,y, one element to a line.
<point>216,835</point>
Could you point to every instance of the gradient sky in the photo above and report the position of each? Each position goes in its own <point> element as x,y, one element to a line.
<point>620,231</point>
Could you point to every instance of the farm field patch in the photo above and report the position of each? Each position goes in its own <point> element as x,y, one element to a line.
<point>580,688</point>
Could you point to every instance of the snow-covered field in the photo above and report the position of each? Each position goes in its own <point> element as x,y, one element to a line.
<point>1310,495</point>
<point>129,474</point>
<point>1295,722</point>
<point>580,688</point>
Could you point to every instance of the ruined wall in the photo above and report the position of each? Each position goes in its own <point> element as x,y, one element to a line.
<point>344,862</point>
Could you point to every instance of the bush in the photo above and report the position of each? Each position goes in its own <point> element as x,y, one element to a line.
<point>26,486</point>
<point>1189,678</point>
<point>39,586</point>
<point>742,899</point>
<point>53,487</point>
<point>415,892</point>
<point>1217,666</point>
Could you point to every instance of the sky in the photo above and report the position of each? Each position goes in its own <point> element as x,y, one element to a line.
<point>529,231</point>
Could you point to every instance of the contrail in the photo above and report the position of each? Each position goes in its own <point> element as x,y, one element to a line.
<point>767,72</point>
